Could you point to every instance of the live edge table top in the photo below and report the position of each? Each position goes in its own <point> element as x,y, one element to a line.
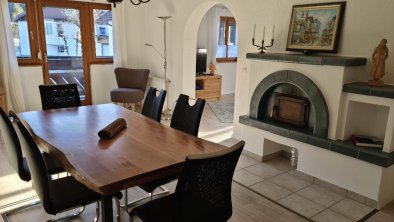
<point>146,150</point>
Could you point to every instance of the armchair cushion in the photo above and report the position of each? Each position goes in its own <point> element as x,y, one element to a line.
<point>127,95</point>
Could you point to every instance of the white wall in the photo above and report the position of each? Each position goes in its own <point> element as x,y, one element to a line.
<point>364,25</point>
<point>363,28</point>
<point>102,79</point>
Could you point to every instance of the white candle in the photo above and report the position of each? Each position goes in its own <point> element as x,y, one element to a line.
<point>264,33</point>
<point>254,30</point>
<point>273,31</point>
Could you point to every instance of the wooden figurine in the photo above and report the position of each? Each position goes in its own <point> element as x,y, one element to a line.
<point>379,57</point>
<point>212,69</point>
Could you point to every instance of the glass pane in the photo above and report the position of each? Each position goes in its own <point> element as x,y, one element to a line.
<point>233,51</point>
<point>232,29</point>
<point>221,47</point>
<point>221,32</point>
<point>221,51</point>
<point>20,31</point>
<point>64,47</point>
<point>103,33</point>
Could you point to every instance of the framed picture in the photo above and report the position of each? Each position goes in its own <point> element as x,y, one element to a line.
<point>315,27</point>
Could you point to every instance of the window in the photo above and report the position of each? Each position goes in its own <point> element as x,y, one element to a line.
<point>227,49</point>
<point>102,31</point>
<point>62,48</point>
<point>101,20</point>
<point>25,29</point>
<point>48,28</point>
<point>22,17</point>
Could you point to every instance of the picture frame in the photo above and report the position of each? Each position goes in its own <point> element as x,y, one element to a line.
<point>315,27</point>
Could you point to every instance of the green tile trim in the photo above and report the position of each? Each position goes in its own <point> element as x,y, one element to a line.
<point>309,59</point>
<point>303,83</point>
<point>386,91</point>
<point>370,155</point>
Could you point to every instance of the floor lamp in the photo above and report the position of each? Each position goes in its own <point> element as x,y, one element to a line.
<point>167,111</point>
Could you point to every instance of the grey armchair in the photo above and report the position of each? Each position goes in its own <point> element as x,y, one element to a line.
<point>131,86</point>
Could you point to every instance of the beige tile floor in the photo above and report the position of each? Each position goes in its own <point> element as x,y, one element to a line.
<point>277,181</point>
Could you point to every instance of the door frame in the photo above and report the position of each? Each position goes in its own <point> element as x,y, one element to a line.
<point>85,30</point>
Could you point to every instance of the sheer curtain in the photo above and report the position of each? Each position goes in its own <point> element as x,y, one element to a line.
<point>214,28</point>
<point>119,35</point>
<point>9,69</point>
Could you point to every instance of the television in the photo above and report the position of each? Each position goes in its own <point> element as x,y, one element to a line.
<point>201,61</point>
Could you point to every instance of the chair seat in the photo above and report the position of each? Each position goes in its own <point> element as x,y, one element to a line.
<point>171,209</point>
<point>151,186</point>
<point>66,193</point>
<point>127,95</point>
<point>53,166</point>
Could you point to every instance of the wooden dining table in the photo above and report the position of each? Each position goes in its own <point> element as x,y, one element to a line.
<point>144,151</point>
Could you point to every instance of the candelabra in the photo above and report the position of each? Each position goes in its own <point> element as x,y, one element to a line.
<point>167,111</point>
<point>262,48</point>
<point>134,2</point>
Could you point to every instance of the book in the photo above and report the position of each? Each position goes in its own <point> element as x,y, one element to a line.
<point>367,141</point>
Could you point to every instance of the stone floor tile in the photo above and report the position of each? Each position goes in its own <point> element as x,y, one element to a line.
<point>320,195</point>
<point>289,182</point>
<point>244,177</point>
<point>270,190</point>
<point>329,186</point>
<point>301,205</point>
<point>351,209</point>
<point>281,163</point>
<point>245,161</point>
<point>330,216</point>
<point>302,175</point>
<point>263,170</point>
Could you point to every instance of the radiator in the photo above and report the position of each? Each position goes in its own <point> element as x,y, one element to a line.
<point>156,81</point>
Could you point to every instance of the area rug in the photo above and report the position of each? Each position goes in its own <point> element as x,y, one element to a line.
<point>224,110</point>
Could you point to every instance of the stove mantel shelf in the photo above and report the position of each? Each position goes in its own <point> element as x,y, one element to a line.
<point>309,59</point>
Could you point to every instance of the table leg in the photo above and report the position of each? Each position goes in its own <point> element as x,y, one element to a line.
<point>106,209</point>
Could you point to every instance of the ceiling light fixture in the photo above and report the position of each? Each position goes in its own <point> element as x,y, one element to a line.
<point>134,2</point>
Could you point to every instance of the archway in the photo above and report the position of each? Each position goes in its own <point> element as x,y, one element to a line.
<point>190,42</point>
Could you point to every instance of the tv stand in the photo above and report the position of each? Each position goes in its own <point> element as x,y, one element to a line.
<point>211,87</point>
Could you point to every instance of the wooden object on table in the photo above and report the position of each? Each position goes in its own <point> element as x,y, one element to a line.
<point>144,152</point>
<point>3,101</point>
<point>211,87</point>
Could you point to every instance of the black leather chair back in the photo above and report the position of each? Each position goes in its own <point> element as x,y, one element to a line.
<point>153,104</point>
<point>13,147</point>
<point>59,96</point>
<point>185,117</point>
<point>37,166</point>
<point>203,192</point>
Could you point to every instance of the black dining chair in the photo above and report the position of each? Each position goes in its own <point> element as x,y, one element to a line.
<point>153,104</point>
<point>15,157</point>
<point>185,118</point>
<point>203,191</point>
<point>61,194</point>
<point>59,96</point>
